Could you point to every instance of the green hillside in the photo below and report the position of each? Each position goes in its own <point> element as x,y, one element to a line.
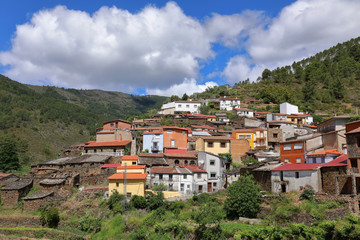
<point>44,120</point>
<point>327,83</point>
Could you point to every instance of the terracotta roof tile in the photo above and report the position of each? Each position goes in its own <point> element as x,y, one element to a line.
<point>130,158</point>
<point>324,152</point>
<point>107,143</point>
<point>128,176</point>
<point>132,167</point>
<point>164,170</point>
<point>195,169</point>
<point>180,155</point>
<point>155,155</point>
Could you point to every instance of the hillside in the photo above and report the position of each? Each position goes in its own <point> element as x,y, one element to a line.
<point>327,83</point>
<point>44,120</point>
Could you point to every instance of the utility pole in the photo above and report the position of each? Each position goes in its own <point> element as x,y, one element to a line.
<point>125,187</point>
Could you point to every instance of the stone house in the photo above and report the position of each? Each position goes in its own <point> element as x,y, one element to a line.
<point>333,124</point>
<point>6,178</point>
<point>152,159</point>
<point>181,159</point>
<point>37,200</point>
<point>15,191</point>
<point>111,148</point>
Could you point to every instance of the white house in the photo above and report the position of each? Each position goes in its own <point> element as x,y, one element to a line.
<point>244,112</point>
<point>180,106</point>
<point>214,166</point>
<point>228,104</point>
<point>287,108</point>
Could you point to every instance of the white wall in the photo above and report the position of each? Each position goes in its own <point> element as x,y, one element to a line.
<point>294,184</point>
<point>229,104</point>
<point>187,107</point>
<point>287,108</point>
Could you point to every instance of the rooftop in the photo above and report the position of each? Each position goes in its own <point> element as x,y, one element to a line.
<point>132,167</point>
<point>128,176</point>
<point>129,158</point>
<point>52,181</point>
<point>325,152</point>
<point>17,185</point>
<point>38,195</point>
<point>107,143</point>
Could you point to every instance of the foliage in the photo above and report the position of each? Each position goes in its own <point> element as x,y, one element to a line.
<point>204,109</point>
<point>185,97</point>
<point>204,198</point>
<point>115,202</point>
<point>9,159</point>
<point>90,223</point>
<point>242,198</point>
<point>156,201</point>
<point>251,160</point>
<point>307,194</point>
<point>138,202</point>
<point>159,187</point>
<point>226,156</point>
<point>113,228</point>
<point>50,217</point>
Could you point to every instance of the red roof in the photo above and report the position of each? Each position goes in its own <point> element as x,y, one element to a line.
<point>201,115</point>
<point>331,151</point>
<point>151,155</point>
<point>195,169</point>
<point>356,130</point>
<point>105,132</point>
<point>175,127</point>
<point>167,170</point>
<point>107,143</point>
<point>4,175</point>
<point>115,165</point>
<point>129,158</point>
<point>171,150</point>
<point>129,176</point>
<point>180,155</point>
<point>340,161</point>
<point>160,132</point>
<point>132,167</point>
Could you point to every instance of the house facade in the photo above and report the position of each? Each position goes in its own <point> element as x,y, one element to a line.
<point>293,151</point>
<point>257,137</point>
<point>244,112</point>
<point>228,104</point>
<point>287,108</point>
<point>153,142</point>
<point>214,165</point>
<point>213,144</point>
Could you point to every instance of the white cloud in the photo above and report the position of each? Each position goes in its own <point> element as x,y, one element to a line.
<point>188,86</point>
<point>302,29</point>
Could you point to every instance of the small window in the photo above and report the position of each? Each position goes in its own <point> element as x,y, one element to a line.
<point>128,194</point>
<point>179,105</point>
<point>298,160</point>
<point>212,162</point>
<point>185,176</point>
<point>198,175</point>
<point>214,184</point>
<point>133,163</point>
<point>195,106</point>
<point>248,136</point>
<point>177,162</point>
<point>192,163</point>
<point>187,106</point>
<point>286,160</point>
<point>298,146</point>
<point>188,186</point>
<point>287,147</point>
<point>182,187</point>
<point>171,186</point>
<point>117,184</point>
<point>169,131</point>
<point>111,124</point>
<point>210,144</point>
<point>297,175</point>
<point>275,135</point>
<point>160,176</point>
<point>213,175</point>
<point>170,177</point>
<point>223,144</point>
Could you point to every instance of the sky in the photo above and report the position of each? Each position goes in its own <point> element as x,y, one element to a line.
<point>164,47</point>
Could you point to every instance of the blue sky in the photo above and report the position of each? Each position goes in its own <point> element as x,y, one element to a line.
<point>162,47</point>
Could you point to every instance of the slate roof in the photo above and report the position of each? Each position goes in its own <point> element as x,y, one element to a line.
<point>164,170</point>
<point>96,158</point>
<point>17,185</point>
<point>52,181</point>
<point>39,195</point>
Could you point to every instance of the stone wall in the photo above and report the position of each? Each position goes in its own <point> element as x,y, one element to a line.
<point>328,179</point>
<point>20,221</point>
<point>34,204</point>
<point>10,197</point>
<point>239,147</point>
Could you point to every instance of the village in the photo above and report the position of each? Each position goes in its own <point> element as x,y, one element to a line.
<point>283,151</point>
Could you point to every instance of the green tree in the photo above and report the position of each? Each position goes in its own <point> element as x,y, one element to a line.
<point>185,97</point>
<point>174,98</point>
<point>9,159</point>
<point>242,198</point>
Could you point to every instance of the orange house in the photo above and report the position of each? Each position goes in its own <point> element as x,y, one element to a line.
<point>293,151</point>
<point>121,124</point>
<point>175,137</point>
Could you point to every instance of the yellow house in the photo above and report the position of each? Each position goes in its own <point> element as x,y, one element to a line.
<point>257,137</point>
<point>135,180</point>
<point>213,144</point>
<point>129,160</point>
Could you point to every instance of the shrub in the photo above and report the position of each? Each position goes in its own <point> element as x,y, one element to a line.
<point>175,207</point>
<point>156,201</point>
<point>115,202</point>
<point>159,188</point>
<point>138,202</point>
<point>90,224</point>
<point>50,217</point>
<point>243,198</point>
<point>307,194</point>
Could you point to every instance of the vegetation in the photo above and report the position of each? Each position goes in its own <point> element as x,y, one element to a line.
<point>243,198</point>
<point>50,217</point>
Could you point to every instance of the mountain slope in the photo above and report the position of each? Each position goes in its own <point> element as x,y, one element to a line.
<point>47,119</point>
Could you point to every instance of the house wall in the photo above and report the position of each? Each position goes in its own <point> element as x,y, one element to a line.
<point>229,104</point>
<point>239,148</point>
<point>293,153</point>
<point>173,185</point>
<point>128,162</point>
<point>252,123</point>
<point>149,139</point>
<point>180,137</point>
<point>200,144</point>
<point>192,107</point>
<point>334,140</point>
<point>314,143</point>
<point>34,204</point>
<point>245,113</point>
<point>306,178</point>
<point>134,186</point>
<point>328,179</point>
<point>10,197</point>
<point>116,124</point>
<point>287,108</point>
<point>204,161</point>
<point>216,149</point>
<point>249,139</point>
<point>108,136</point>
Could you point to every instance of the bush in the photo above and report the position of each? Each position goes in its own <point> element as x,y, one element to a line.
<point>243,198</point>
<point>159,188</point>
<point>155,202</point>
<point>115,202</point>
<point>175,207</point>
<point>307,194</point>
<point>138,202</point>
<point>90,224</point>
<point>50,217</point>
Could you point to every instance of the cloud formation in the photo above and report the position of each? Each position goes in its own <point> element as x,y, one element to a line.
<point>302,29</point>
<point>188,86</point>
<point>162,50</point>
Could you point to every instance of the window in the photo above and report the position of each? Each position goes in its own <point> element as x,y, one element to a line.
<point>297,175</point>
<point>212,162</point>
<point>198,175</point>
<point>214,184</point>
<point>223,144</point>
<point>182,187</point>
<point>169,131</point>
<point>170,177</point>
<point>186,162</point>
<point>241,136</point>
<point>298,146</point>
<point>117,184</point>
<point>192,163</point>
<point>185,176</point>
<point>128,194</point>
<point>210,144</point>
<point>195,106</point>
<point>171,186</point>
<point>275,135</point>
<point>298,160</point>
<point>160,176</point>
<point>94,150</point>
<point>188,186</point>
<point>248,136</point>
<point>177,162</point>
<point>187,106</point>
<point>287,147</point>
<point>133,163</point>
<point>213,175</point>
<point>183,132</point>
<point>179,105</point>
<point>172,142</point>
<point>111,124</point>
<point>286,160</point>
